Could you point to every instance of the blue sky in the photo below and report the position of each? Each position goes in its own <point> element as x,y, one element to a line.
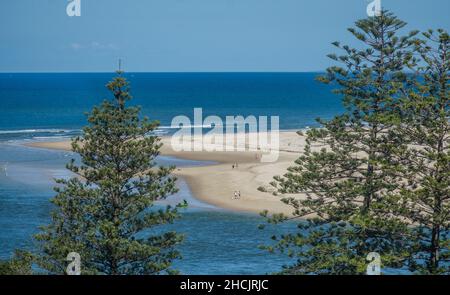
<point>188,35</point>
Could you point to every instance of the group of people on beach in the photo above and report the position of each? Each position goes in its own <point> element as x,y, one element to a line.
<point>237,194</point>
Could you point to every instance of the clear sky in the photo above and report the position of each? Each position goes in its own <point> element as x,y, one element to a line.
<point>188,35</point>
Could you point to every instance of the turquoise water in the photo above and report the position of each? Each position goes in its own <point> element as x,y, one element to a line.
<point>217,241</point>
<point>36,107</point>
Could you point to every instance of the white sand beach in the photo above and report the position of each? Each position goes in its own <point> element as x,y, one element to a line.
<point>216,184</point>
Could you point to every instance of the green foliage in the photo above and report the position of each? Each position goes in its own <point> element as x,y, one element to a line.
<point>349,165</point>
<point>424,199</point>
<point>20,264</point>
<point>106,212</point>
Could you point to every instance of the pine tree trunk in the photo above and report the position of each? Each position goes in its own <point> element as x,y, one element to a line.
<point>368,195</point>
<point>434,249</point>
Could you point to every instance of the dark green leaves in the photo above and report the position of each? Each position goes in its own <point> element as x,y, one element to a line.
<point>106,212</point>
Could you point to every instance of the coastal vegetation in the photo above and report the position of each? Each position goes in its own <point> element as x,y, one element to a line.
<point>105,213</point>
<point>375,178</point>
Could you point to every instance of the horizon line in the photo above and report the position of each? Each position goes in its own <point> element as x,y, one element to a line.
<point>162,72</point>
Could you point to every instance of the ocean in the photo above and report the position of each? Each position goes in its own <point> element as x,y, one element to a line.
<point>42,107</point>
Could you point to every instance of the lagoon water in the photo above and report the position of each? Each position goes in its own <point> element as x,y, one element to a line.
<point>36,107</point>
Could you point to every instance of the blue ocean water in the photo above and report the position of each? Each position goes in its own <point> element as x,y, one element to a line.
<point>58,101</point>
<point>36,107</point>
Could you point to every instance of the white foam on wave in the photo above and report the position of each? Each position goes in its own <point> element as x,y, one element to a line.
<point>37,131</point>
<point>50,137</point>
